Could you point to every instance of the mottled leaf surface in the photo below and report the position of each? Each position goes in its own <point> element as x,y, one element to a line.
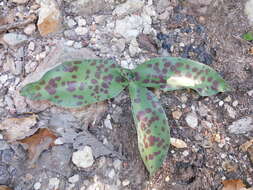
<point>172,73</point>
<point>78,83</point>
<point>152,127</point>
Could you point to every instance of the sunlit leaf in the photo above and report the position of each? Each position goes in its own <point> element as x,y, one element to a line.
<point>152,127</point>
<point>78,83</point>
<point>172,73</point>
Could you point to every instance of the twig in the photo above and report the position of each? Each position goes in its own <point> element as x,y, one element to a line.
<point>20,24</point>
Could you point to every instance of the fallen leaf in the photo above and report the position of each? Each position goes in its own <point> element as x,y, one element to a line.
<point>244,147</point>
<point>37,143</point>
<point>248,36</point>
<point>178,143</point>
<point>234,184</point>
<point>18,128</point>
<point>3,187</point>
<point>251,51</point>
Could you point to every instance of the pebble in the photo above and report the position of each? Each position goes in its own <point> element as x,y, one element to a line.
<point>228,99</point>
<point>222,155</point>
<point>49,17</point>
<point>192,120</point>
<point>231,111</point>
<point>107,122</point>
<point>221,103</point>
<point>71,23</point>
<point>176,114</point>
<point>250,93</point>
<point>125,182</point>
<point>69,42</point>
<point>83,158</point>
<point>81,22</point>
<point>20,1</point>
<point>117,164</point>
<point>37,185</point>
<point>14,39</point>
<point>31,46</point>
<point>74,179</point>
<point>54,183</point>
<point>242,126</point>
<point>81,30</point>
<point>30,29</point>
<point>128,7</point>
<point>249,10</point>
<point>111,173</point>
<point>185,153</point>
<point>3,78</point>
<point>134,48</point>
<point>235,103</point>
<point>78,45</point>
<point>58,141</point>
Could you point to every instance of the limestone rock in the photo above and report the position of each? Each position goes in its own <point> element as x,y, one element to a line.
<point>83,158</point>
<point>242,126</point>
<point>14,39</point>
<point>49,17</point>
<point>128,7</point>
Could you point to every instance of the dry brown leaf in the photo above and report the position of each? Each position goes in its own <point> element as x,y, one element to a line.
<point>18,128</point>
<point>37,143</point>
<point>251,50</point>
<point>178,143</point>
<point>244,147</point>
<point>234,184</point>
<point>3,187</point>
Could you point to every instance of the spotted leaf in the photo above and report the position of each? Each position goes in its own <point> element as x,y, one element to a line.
<point>152,127</point>
<point>172,73</point>
<point>78,83</point>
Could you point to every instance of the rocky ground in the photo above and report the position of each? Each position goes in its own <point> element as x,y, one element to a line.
<point>95,148</point>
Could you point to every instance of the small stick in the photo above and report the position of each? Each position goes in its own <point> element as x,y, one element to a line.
<point>20,24</point>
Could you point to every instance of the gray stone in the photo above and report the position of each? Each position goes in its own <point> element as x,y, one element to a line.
<point>231,111</point>
<point>242,126</point>
<point>14,39</point>
<point>30,29</point>
<point>249,10</point>
<point>128,7</point>
<point>4,145</point>
<point>56,160</point>
<point>192,120</point>
<point>4,174</point>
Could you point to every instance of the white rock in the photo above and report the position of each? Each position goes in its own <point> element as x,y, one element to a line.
<point>74,179</point>
<point>14,39</point>
<point>111,173</point>
<point>128,7</point>
<point>134,48</point>
<point>29,29</point>
<point>231,111</point>
<point>81,30</point>
<point>242,126</point>
<point>1,136</point>
<point>235,103</point>
<point>126,182</point>
<point>54,183</point>
<point>131,26</point>
<point>78,45</point>
<point>117,164</point>
<point>221,103</point>
<point>69,42</point>
<point>192,120</point>
<point>31,46</point>
<point>58,141</point>
<point>83,158</point>
<point>71,23</point>
<point>49,17</point>
<point>185,153</point>
<point>249,10</point>
<point>3,78</point>
<point>20,1</point>
<point>37,185</point>
<point>250,93</point>
<point>107,122</point>
<point>81,22</point>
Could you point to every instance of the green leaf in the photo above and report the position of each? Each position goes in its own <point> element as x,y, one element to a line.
<point>172,73</point>
<point>78,83</point>
<point>152,127</point>
<point>248,36</point>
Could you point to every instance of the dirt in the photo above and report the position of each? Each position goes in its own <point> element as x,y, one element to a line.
<point>213,153</point>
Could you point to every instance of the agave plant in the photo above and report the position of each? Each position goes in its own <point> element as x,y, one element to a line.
<point>80,83</point>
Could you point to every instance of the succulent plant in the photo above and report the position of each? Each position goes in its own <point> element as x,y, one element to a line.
<point>80,83</point>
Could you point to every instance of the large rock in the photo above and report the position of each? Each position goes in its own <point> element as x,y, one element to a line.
<point>49,17</point>
<point>83,158</point>
<point>242,126</point>
<point>249,10</point>
<point>128,7</point>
